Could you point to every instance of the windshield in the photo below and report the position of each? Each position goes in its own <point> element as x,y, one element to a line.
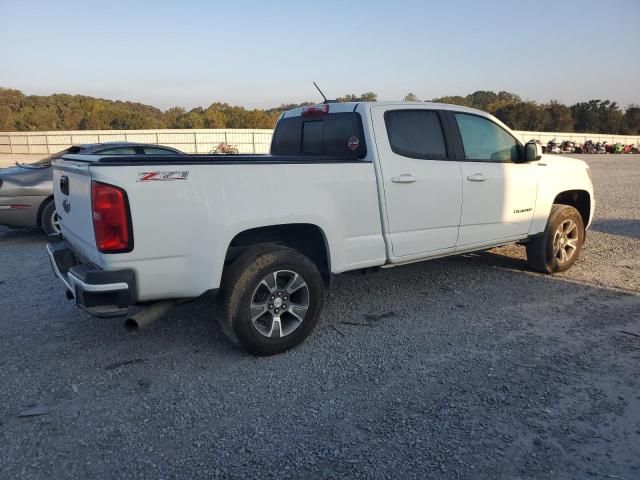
<point>45,162</point>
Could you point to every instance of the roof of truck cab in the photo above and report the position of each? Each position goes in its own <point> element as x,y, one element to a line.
<point>336,107</point>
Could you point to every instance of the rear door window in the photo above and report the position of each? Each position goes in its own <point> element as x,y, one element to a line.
<point>416,134</point>
<point>335,134</point>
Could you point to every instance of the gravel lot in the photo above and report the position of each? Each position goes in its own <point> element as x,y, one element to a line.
<point>471,367</point>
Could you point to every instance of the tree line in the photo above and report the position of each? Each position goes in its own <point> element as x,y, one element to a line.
<point>20,112</point>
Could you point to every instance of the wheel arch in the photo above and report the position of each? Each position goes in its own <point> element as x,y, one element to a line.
<point>41,208</point>
<point>309,239</point>
<point>579,199</point>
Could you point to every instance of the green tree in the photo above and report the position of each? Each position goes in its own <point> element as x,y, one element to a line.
<point>523,116</point>
<point>214,118</point>
<point>191,120</point>
<point>411,97</point>
<point>598,116</point>
<point>559,117</point>
<point>363,97</point>
<point>69,112</point>
<point>368,97</point>
<point>173,115</point>
<point>454,100</point>
<point>632,120</point>
<point>6,119</point>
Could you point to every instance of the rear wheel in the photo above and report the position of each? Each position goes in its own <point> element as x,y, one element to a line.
<point>49,219</point>
<point>271,299</point>
<point>558,248</point>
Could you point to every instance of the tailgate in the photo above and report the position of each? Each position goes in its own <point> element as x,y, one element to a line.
<point>72,194</point>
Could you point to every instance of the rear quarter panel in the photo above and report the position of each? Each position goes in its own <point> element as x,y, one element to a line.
<point>182,228</point>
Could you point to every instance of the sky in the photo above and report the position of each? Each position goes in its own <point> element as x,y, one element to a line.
<point>264,53</point>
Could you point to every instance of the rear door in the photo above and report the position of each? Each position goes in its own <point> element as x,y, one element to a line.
<point>421,179</point>
<point>499,190</point>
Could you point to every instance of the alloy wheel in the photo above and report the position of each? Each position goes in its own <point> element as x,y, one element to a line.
<point>565,241</point>
<point>279,303</point>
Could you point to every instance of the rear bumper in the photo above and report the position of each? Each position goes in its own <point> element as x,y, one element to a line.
<point>103,294</point>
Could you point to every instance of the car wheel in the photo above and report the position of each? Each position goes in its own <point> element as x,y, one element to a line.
<point>271,299</point>
<point>49,219</point>
<point>558,248</point>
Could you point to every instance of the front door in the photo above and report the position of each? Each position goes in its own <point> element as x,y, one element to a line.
<point>498,190</point>
<point>422,185</point>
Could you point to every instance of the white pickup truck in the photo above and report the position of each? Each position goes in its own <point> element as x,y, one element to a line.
<point>347,186</point>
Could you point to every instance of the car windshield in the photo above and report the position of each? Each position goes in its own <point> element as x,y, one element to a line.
<point>46,162</point>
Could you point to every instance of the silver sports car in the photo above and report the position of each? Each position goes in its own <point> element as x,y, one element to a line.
<point>26,190</point>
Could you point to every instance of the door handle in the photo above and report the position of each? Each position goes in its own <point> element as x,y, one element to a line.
<point>404,178</point>
<point>476,177</point>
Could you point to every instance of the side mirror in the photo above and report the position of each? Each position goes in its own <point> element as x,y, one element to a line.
<point>532,152</point>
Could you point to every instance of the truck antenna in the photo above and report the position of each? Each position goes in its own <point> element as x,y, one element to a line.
<point>325,98</point>
<point>318,88</point>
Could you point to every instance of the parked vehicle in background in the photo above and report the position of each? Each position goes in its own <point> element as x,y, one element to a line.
<point>589,147</point>
<point>224,148</point>
<point>553,146</point>
<point>26,189</point>
<point>570,146</point>
<point>347,186</point>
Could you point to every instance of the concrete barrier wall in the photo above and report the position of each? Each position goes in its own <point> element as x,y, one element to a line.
<point>189,141</point>
<point>205,140</point>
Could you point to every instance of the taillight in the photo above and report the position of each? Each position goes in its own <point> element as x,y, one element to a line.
<point>316,110</point>
<point>111,225</point>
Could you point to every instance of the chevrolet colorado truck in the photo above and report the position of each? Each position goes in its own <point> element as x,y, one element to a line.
<point>346,186</point>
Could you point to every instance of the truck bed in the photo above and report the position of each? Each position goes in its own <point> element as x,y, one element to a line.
<point>186,211</point>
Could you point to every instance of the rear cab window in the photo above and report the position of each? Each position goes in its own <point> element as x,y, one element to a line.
<point>338,134</point>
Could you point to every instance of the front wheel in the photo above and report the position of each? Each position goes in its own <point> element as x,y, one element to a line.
<point>271,299</point>
<point>50,220</point>
<point>558,248</point>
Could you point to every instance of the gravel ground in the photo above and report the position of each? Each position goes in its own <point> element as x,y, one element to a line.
<point>470,367</point>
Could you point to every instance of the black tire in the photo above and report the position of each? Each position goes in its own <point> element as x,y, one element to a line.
<point>48,218</point>
<point>241,283</point>
<point>543,252</point>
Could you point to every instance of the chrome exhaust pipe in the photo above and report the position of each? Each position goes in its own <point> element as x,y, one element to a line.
<point>148,315</point>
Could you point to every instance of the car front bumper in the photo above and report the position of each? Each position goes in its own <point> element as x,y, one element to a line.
<point>101,293</point>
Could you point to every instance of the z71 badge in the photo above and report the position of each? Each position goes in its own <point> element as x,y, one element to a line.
<point>162,176</point>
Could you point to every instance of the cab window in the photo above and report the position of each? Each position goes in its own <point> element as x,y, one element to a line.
<point>416,134</point>
<point>483,140</point>
<point>335,134</point>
